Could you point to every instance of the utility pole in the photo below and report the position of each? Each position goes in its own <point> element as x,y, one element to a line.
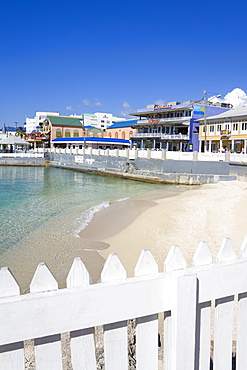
<point>205,120</point>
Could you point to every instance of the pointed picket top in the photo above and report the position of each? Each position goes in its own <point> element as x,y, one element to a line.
<point>243,249</point>
<point>113,269</point>
<point>203,255</point>
<point>78,274</point>
<point>226,252</point>
<point>146,264</point>
<point>43,280</point>
<point>8,284</point>
<point>174,260</point>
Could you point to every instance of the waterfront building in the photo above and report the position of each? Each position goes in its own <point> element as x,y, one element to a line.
<point>7,131</point>
<point>34,124</point>
<point>122,129</point>
<point>226,131</point>
<point>62,127</point>
<point>173,126</point>
<point>100,120</point>
<point>94,131</point>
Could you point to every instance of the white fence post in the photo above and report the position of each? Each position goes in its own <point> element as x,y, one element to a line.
<point>203,257</point>
<point>224,317</point>
<point>48,351</point>
<point>81,341</point>
<point>147,326</point>
<point>115,334</point>
<point>11,355</point>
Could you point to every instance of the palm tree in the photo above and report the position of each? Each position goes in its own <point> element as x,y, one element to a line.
<point>20,132</point>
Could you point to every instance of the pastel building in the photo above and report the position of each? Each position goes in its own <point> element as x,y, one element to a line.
<point>225,131</point>
<point>173,126</point>
<point>62,127</point>
<point>122,129</point>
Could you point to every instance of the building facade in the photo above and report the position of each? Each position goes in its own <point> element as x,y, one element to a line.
<point>173,126</point>
<point>62,127</point>
<point>100,120</point>
<point>122,129</point>
<point>225,132</point>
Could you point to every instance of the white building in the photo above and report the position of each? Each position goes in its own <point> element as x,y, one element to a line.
<point>101,120</point>
<point>32,123</point>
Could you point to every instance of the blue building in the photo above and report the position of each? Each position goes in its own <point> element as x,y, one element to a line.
<point>173,126</point>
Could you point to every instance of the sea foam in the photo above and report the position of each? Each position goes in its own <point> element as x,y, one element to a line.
<point>86,217</point>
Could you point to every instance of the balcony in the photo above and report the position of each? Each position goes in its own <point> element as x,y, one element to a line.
<point>158,121</point>
<point>155,135</point>
<point>225,133</point>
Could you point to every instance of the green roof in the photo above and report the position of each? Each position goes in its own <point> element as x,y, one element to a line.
<point>65,121</point>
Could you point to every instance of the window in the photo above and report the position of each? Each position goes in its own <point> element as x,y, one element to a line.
<point>58,132</point>
<point>235,127</point>
<point>123,135</point>
<point>67,133</point>
<point>227,126</point>
<point>116,135</point>
<point>244,126</point>
<point>109,134</point>
<point>218,128</point>
<point>203,129</point>
<point>76,133</point>
<point>211,128</point>
<point>131,132</point>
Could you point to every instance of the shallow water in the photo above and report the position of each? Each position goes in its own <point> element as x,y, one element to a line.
<point>42,210</point>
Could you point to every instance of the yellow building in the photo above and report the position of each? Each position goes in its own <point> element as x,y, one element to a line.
<point>225,132</point>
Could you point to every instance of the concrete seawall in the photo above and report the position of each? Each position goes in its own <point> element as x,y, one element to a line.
<point>148,170</point>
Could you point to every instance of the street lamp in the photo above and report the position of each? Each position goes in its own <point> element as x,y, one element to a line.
<point>205,117</point>
<point>83,125</point>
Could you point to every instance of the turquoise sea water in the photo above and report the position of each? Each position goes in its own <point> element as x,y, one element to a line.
<point>37,198</point>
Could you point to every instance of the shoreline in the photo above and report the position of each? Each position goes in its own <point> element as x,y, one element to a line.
<point>209,212</point>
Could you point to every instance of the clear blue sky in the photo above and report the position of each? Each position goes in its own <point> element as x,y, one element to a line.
<point>83,56</point>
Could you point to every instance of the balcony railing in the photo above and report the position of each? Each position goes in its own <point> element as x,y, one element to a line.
<point>153,135</point>
<point>156,121</point>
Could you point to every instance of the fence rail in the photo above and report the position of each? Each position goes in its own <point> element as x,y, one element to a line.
<point>133,154</point>
<point>182,295</point>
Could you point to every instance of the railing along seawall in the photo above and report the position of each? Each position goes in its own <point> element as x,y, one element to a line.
<point>181,296</point>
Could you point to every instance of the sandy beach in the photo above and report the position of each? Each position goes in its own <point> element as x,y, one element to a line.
<point>209,212</point>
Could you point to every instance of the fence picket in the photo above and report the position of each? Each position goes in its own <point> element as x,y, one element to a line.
<point>78,275</point>
<point>147,326</point>
<point>81,341</point>
<point>43,280</point>
<point>174,261</point>
<point>202,257</point>
<point>48,350</point>
<point>224,317</point>
<point>242,320</point>
<point>115,335</point>
<point>11,355</point>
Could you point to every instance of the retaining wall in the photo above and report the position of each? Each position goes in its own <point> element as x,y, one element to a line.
<point>152,170</point>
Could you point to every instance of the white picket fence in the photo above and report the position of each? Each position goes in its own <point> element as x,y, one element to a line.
<point>183,295</point>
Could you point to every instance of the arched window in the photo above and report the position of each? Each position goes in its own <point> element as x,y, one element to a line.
<point>76,133</point>
<point>116,135</point>
<point>91,134</point>
<point>130,133</point>
<point>58,132</point>
<point>67,133</point>
<point>109,134</point>
<point>99,134</point>
<point>123,135</point>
